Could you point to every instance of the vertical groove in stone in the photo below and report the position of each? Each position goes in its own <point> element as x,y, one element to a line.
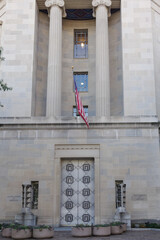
<point>102,63</point>
<point>54,63</point>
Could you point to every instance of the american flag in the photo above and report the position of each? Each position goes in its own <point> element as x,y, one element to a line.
<point>79,105</point>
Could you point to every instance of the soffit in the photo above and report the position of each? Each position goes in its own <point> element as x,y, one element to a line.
<point>78,4</point>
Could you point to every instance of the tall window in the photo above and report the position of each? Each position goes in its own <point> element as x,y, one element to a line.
<point>30,195</point>
<point>81,81</point>
<point>35,194</point>
<point>75,112</point>
<point>81,43</point>
<point>120,188</point>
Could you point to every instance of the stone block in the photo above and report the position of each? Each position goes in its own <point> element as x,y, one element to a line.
<point>28,134</point>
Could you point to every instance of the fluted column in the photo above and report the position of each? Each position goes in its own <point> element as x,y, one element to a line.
<point>101,12</point>
<point>54,58</point>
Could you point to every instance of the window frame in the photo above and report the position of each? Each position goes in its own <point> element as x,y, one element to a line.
<point>75,45</point>
<point>77,115</point>
<point>34,197</point>
<point>120,194</point>
<point>80,73</point>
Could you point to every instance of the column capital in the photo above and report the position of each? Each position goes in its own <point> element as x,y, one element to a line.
<point>106,3</point>
<point>96,3</point>
<point>59,3</point>
<point>50,3</point>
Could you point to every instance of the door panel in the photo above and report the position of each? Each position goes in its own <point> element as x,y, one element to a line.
<point>77,192</point>
<point>86,192</point>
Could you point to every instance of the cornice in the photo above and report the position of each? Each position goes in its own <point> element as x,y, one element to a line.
<point>79,4</point>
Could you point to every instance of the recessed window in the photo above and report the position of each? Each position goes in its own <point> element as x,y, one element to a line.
<point>35,194</point>
<point>81,43</point>
<point>75,111</point>
<point>120,188</point>
<point>26,195</point>
<point>30,195</point>
<point>81,80</point>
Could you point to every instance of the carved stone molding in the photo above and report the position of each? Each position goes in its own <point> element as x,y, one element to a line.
<point>59,3</point>
<point>96,3</point>
<point>50,3</point>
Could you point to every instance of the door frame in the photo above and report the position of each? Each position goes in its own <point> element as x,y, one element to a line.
<point>79,161</point>
<point>75,151</point>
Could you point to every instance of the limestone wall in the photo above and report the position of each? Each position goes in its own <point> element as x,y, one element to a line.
<point>0,32</point>
<point>125,153</point>
<point>2,17</point>
<point>156,41</point>
<point>2,9</point>
<point>29,87</point>
<point>88,65</point>
<point>80,65</point>
<point>42,65</point>
<point>22,62</point>
<point>17,69</point>
<point>35,61</point>
<point>115,55</point>
<point>138,64</point>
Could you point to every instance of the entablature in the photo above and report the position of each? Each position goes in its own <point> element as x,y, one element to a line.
<point>78,4</point>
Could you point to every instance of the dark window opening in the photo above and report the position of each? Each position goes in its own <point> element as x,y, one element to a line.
<point>120,193</point>
<point>35,186</point>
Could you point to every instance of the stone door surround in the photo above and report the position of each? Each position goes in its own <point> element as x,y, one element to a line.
<point>68,152</point>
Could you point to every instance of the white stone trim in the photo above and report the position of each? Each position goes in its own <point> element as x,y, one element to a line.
<point>59,3</point>
<point>78,4</point>
<point>106,3</point>
<point>101,9</point>
<point>75,151</point>
<point>96,3</point>
<point>50,3</point>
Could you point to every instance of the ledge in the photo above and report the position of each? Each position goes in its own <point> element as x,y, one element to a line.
<point>78,123</point>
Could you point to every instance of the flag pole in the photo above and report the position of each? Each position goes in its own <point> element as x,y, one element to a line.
<point>74,90</point>
<point>79,105</point>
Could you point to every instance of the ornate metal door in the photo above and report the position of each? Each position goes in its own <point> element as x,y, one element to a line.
<point>77,192</point>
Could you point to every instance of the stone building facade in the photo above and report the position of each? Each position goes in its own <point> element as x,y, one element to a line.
<point>114,47</point>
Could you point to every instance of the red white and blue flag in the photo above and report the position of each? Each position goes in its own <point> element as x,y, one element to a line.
<point>79,105</point>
